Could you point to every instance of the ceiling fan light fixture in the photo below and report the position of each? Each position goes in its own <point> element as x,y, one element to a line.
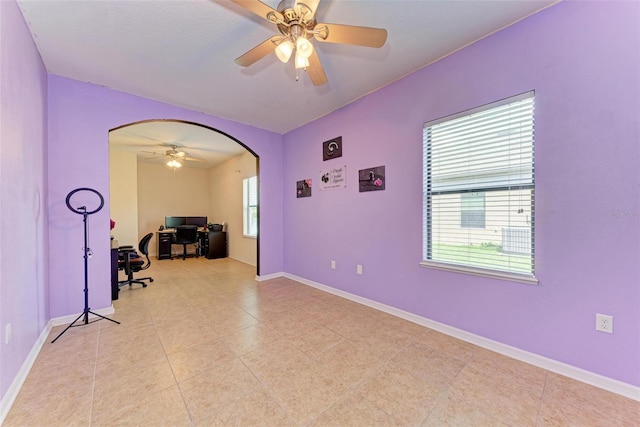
<point>304,47</point>
<point>173,163</point>
<point>301,61</point>
<point>284,50</point>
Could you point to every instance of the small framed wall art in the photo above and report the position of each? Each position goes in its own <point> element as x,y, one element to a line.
<point>303,188</point>
<point>371,179</point>
<point>333,178</point>
<point>332,149</point>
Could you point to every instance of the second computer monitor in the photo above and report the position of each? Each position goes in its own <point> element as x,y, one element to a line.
<point>200,221</point>
<point>174,221</point>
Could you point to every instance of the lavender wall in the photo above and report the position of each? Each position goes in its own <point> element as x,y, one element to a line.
<point>583,61</point>
<point>23,222</point>
<point>80,117</point>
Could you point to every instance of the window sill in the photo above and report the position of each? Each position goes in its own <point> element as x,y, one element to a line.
<point>249,236</point>
<point>512,277</point>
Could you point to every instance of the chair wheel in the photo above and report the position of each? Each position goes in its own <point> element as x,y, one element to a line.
<point>144,285</point>
<point>151,280</point>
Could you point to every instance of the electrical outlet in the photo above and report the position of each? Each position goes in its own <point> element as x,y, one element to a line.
<point>7,333</point>
<point>604,323</point>
<point>333,264</point>
<point>359,269</point>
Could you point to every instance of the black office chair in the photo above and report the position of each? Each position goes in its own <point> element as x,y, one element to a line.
<point>131,262</point>
<point>186,235</point>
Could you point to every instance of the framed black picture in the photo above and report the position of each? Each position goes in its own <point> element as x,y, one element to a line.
<point>303,188</point>
<point>332,149</point>
<point>371,179</point>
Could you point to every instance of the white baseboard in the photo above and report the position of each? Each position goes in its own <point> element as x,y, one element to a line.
<point>597,380</point>
<point>270,276</point>
<point>12,392</point>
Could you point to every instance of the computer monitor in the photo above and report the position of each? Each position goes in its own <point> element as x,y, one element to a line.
<point>200,221</point>
<point>174,221</point>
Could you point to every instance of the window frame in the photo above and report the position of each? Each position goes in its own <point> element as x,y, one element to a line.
<point>248,208</point>
<point>428,204</point>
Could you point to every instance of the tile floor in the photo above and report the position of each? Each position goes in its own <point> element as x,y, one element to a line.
<point>207,345</point>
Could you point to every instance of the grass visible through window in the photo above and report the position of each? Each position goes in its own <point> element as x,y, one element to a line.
<point>484,256</point>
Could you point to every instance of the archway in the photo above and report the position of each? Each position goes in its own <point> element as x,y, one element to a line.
<point>141,146</point>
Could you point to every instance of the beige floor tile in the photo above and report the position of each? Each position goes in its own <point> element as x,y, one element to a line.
<point>305,394</point>
<point>511,372</point>
<point>448,345</point>
<point>244,340</point>
<point>455,412</point>
<point>569,402</point>
<point>200,358</point>
<point>131,383</point>
<point>355,410</point>
<point>256,408</point>
<point>272,358</point>
<point>316,340</point>
<point>207,345</point>
<point>423,362</point>
<point>70,408</point>
<point>498,395</point>
<point>163,408</point>
<point>347,363</point>
<point>406,398</point>
<point>209,394</point>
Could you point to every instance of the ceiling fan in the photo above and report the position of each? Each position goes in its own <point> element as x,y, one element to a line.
<point>297,24</point>
<point>174,156</point>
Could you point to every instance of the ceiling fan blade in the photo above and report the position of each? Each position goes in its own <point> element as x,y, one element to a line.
<point>308,6</point>
<point>150,155</point>
<point>350,34</point>
<point>315,70</point>
<point>193,159</point>
<point>258,52</point>
<point>141,136</point>
<point>261,9</point>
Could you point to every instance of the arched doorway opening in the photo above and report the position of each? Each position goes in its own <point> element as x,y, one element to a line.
<point>208,181</point>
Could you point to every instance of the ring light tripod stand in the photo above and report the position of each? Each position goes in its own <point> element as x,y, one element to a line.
<point>82,210</point>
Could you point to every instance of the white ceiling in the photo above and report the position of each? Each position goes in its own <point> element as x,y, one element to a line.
<point>182,52</point>
<point>204,147</point>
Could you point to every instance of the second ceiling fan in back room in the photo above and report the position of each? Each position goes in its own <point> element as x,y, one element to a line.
<point>174,157</point>
<point>297,24</point>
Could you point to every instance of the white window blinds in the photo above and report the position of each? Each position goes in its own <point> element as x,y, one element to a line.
<point>478,187</point>
<point>250,205</point>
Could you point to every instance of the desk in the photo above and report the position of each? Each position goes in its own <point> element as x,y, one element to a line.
<point>212,244</point>
<point>114,270</point>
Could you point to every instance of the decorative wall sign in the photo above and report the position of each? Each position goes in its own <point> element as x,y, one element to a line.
<point>371,179</point>
<point>332,149</point>
<point>333,178</point>
<point>303,188</point>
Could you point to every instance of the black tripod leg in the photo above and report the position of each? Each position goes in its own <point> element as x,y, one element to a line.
<point>65,329</point>
<point>85,315</point>
<point>101,316</point>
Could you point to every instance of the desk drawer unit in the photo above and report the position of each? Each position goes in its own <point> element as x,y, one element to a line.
<point>217,245</point>
<point>164,245</point>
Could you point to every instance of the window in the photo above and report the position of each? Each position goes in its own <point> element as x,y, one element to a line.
<point>250,206</point>
<point>472,210</point>
<point>478,190</point>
